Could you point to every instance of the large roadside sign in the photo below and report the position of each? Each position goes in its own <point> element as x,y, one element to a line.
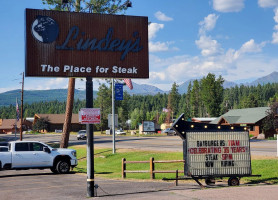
<point>210,153</point>
<point>213,149</point>
<point>71,44</point>
<point>89,116</point>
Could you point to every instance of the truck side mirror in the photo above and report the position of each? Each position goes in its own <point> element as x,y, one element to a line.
<point>46,149</point>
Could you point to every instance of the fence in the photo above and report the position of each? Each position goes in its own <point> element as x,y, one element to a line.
<point>152,170</point>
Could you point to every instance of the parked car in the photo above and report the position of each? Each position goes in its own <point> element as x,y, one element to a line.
<point>120,132</point>
<point>82,135</point>
<point>169,131</point>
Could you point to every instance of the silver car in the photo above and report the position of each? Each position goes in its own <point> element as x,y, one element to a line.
<point>169,131</point>
<point>82,135</point>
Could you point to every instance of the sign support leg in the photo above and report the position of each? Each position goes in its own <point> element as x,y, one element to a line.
<point>90,141</point>
<point>113,117</point>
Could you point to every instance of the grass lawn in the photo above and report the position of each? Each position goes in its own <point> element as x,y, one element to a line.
<point>110,165</point>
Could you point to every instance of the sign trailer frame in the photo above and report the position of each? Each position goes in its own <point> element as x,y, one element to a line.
<point>214,150</point>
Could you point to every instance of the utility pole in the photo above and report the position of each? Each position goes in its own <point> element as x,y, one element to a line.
<point>70,99</point>
<point>90,141</point>
<point>21,119</point>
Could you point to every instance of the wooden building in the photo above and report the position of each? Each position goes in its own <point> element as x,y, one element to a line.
<point>8,126</point>
<point>250,117</point>
<point>56,122</point>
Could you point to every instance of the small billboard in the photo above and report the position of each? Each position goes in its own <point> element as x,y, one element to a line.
<point>89,116</point>
<point>148,126</point>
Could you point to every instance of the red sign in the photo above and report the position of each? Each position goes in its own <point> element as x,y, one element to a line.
<point>89,116</point>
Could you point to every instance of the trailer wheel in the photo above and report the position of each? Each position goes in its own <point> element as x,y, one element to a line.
<point>233,181</point>
<point>210,181</point>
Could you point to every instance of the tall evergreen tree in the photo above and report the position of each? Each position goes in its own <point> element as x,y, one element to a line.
<point>195,99</point>
<point>212,94</point>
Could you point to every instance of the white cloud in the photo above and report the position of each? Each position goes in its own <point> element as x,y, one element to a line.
<point>275,38</point>
<point>158,46</point>
<point>268,3</point>
<point>208,23</point>
<point>161,46</point>
<point>228,5</point>
<point>251,47</point>
<point>157,76</point>
<point>208,46</point>
<point>275,34</point>
<point>153,29</point>
<point>162,17</point>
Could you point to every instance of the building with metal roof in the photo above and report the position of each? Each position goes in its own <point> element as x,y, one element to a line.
<point>250,117</point>
<point>56,122</point>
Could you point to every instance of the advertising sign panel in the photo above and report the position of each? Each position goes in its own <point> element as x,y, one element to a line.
<point>72,44</point>
<point>218,153</point>
<point>148,126</point>
<point>89,116</point>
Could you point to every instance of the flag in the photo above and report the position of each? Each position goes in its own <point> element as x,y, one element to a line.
<point>128,83</point>
<point>17,111</point>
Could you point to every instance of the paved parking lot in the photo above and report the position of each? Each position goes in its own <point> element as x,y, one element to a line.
<point>44,185</point>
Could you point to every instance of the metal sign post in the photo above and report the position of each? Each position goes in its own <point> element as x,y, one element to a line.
<point>113,117</point>
<point>90,141</point>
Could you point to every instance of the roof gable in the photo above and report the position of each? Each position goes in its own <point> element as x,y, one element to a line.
<point>58,118</point>
<point>244,116</point>
<point>9,123</point>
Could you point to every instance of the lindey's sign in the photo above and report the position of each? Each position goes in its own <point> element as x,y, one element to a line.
<point>67,44</point>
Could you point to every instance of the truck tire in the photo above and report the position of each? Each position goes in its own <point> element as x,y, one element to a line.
<point>63,167</point>
<point>233,181</point>
<point>0,166</point>
<point>53,169</point>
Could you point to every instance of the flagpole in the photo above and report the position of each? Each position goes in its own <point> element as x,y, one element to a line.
<point>21,119</point>
<point>17,118</point>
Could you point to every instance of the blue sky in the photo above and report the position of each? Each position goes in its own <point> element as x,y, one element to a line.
<point>237,39</point>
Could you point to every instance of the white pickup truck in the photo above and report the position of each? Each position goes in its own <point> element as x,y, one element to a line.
<point>37,155</point>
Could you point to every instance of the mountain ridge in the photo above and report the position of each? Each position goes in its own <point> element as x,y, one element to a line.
<point>30,96</point>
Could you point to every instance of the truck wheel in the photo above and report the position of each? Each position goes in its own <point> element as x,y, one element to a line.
<point>0,166</point>
<point>63,167</point>
<point>53,169</point>
<point>233,181</point>
<point>210,181</point>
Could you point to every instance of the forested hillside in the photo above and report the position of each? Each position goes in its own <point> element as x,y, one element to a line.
<point>205,98</point>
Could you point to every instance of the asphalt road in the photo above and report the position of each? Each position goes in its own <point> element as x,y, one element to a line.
<point>167,143</point>
<point>44,185</point>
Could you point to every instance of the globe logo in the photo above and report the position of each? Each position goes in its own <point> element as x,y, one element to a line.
<point>45,29</point>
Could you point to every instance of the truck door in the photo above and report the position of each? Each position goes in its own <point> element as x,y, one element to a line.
<point>41,158</point>
<point>22,157</point>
